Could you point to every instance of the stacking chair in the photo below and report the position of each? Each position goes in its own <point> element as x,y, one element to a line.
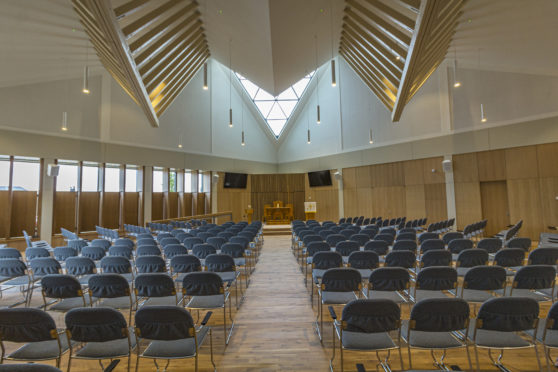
<point>28,367</point>
<point>345,248</point>
<point>361,239</point>
<point>346,233</point>
<point>13,273</point>
<point>366,326</point>
<point>62,253</point>
<point>491,245</point>
<point>147,250</point>
<point>547,333</point>
<point>389,283</point>
<point>118,265</point>
<point>333,239</point>
<point>405,259</point>
<point>36,252</point>
<point>369,231</point>
<point>543,256</point>
<point>93,252</point>
<point>145,241</point>
<point>154,289</point>
<point>180,265</point>
<point>121,251</point>
<point>172,334</point>
<point>216,241</point>
<point>238,253</point>
<point>322,261</point>
<point>433,325</point>
<point>385,237</point>
<point>523,243</point>
<point>437,257</point>
<point>433,283</point>
<point>427,236</point>
<point>406,236</point>
<point>166,241</point>
<point>66,292</point>
<point>204,291</point>
<point>77,244</point>
<point>311,249</point>
<point>379,246</point>
<point>302,249</point>
<point>224,266</point>
<point>150,264</point>
<point>81,268</point>
<point>203,250</point>
<point>364,262</point>
<point>501,323</point>
<point>172,250</point>
<point>112,290</point>
<point>124,241</point>
<point>404,245</point>
<point>189,243</point>
<point>456,246</point>
<point>510,258</point>
<point>36,330</point>
<point>534,281</point>
<point>431,244</point>
<point>225,235</point>
<point>482,283</point>
<point>102,334</point>
<point>448,237</point>
<point>339,286</point>
<point>12,253</point>
<point>470,258</point>
<point>101,243</point>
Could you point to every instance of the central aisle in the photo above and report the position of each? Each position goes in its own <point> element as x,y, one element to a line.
<point>273,330</point>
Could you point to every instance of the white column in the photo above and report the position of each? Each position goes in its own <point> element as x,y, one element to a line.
<point>213,192</point>
<point>147,193</point>
<point>450,191</point>
<point>340,194</point>
<point>47,203</point>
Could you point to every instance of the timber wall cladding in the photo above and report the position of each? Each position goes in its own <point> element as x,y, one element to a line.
<point>326,198</point>
<point>266,188</point>
<point>414,188</point>
<point>235,200</point>
<point>531,177</point>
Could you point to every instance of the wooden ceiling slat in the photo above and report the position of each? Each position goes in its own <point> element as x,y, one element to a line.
<point>393,14</point>
<point>151,17</point>
<point>129,8</point>
<point>410,4</point>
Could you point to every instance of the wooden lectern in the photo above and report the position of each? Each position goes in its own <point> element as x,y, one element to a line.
<point>310,210</point>
<point>249,212</point>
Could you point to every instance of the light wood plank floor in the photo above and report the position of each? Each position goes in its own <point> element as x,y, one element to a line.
<point>274,330</point>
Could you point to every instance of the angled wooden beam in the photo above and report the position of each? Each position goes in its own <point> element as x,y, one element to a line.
<point>129,8</point>
<point>148,19</point>
<point>393,14</point>
<point>413,5</point>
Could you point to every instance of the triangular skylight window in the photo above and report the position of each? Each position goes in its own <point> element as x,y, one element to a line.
<point>276,111</point>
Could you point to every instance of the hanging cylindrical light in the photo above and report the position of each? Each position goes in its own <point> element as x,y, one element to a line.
<point>370,139</point>
<point>456,82</point>
<point>230,85</point>
<point>483,118</point>
<point>243,143</point>
<point>308,136</point>
<point>85,86</point>
<point>318,120</point>
<point>205,86</point>
<point>64,121</point>
<point>230,118</point>
<point>333,81</point>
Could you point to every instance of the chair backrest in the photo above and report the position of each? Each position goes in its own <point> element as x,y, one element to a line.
<point>491,245</point>
<point>108,286</point>
<point>31,253</point>
<point>116,265</point>
<point>26,325</point>
<point>220,263</point>
<point>96,324</point>
<point>61,286</point>
<point>456,246</point>
<point>150,264</point>
<point>164,323</point>
<point>535,277</point>
<point>426,236</point>
<point>327,260</point>
<point>240,240</point>
<point>124,241</point>
<point>389,279</point>
<point>485,278</point>
<point>341,279</point>
<point>234,250</point>
<point>406,236</point>
<point>436,257</point>
<point>364,260</point>
<point>203,250</point>
<point>333,239</point>
<point>154,285</point>
<point>185,264</point>
<point>80,266</point>
<point>172,250</point>
<point>370,231</point>
<point>346,233</point>
<point>216,241</point>
<point>146,241</point>
<point>508,314</point>
<point>440,315</point>
<point>346,247</point>
<point>544,256</point>
<point>44,266</point>
<point>62,253</point>
<point>315,247</point>
<point>147,250</point>
<point>405,245</point>
<point>9,253</point>
<point>431,244</point>
<point>523,243</point>
<point>552,317</point>
<point>371,316</point>
<point>509,257</point>
<point>93,252</point>
<point>436,278</point>
<point>167,241</point>
<point>202,284</point>
<point>361,239</point>
<point>381,247</point>
<point>190,242</point>
<point>406,259</point>
<point>121,251</point>
<point>311,238</point>
<point>448,237</point>
<point>472,257</point>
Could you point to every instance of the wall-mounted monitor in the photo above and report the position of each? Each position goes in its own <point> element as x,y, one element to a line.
<point>320,178</point>
<point>235,180</point>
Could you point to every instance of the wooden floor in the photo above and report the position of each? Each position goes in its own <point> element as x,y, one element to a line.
<point>274,330</point>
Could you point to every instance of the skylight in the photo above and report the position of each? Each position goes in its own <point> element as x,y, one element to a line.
<point>276,111</point>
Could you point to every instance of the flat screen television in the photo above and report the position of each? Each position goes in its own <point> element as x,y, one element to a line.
<point>235,180</point>
<point>320,178</point>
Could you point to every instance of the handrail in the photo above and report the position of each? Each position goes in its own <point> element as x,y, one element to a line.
<point>197,217</point>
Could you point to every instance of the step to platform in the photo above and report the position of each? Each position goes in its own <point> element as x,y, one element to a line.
<point>276,230</point>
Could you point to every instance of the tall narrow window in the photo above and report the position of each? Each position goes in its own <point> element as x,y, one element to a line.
<point>187,181</point>
<point>172,180</point>
<point>157,179</point>
<point>4,172</point>
<point>201,185</point>
<point>133,181</point>
<point>67,179</point>
<point>25,205</point>
<point>90,177</point>
<point>112,178</point>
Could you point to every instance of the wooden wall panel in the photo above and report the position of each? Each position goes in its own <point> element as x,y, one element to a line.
<point>172,211</point>
<point>413,172</point>
<point>467,203</point>
<point>491,165</point>
<point>363,176</point>
<point>349,178</point>
<point>388,202</point>
<point>549,191</point>
<point>65,211</point>
<point>24,211</point>
<point>4,213</point>
<point>157,206</point>
<point>546,157</point>
<point>390,174</point>
<point>521,162</point>
<point>525,203</point>
<point>465,168</point>
<point>350,202</point>
<point>326,197</point>
<point>131,204</point>
<point>200,204</point>
<point>111,210</point>
<point>415,203</point>
<point>89,210</point>
<point>289,188</point>
<point>435,164</point>
<point>495,206</point>
<point>365,203</point>
<point>435,201</point>
<point>187,204</point>
<point>234,200</point>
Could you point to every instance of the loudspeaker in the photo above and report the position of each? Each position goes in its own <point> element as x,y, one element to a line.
<point>53,170</point>
<point>337,176</point>
<point>215,178</point>
<point>447,166</point>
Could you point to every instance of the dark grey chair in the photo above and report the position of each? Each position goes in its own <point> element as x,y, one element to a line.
<point>437,257</point>
<point>172,250</point>
<point>62,253</point>
<point>10,253</point>
<point>104,243</point>
<point>147,250</point>
<point>368,325</point>
<point>389,283</point>
<point>501,323</point>
<point>36,252</point>
<point>434,282</point>
<point>180,265</point>
<point>345,248</point>
<point>117,265</point>
<point>36,330</point>
<point>241,261</point>
<point>121,251</point>
<point>433,324</point>
<point>81,268</point>
<point>66,292</point>
<point>534,281</point>
<point>102,333</point>
<point>523,243</point>
<point>456,246</point>
<point>364,262</point>
<point>379,246</point>
<point>150,264</point>
<point>224,266</point>
<point>322,261</point>
<point>14,273</point>
<point>482,283</point>
<point>172,334</point>
<point>510,258</point>
<point>93,252</point>
<point>469,258</point>
<point>491,245</point>
<point>28,367</point>
<point>405,259</point>
<point>155,289</point>
<point>112,290</point>
<point>547,334</point>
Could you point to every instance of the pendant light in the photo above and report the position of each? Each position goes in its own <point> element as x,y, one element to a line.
<point>456,82</point>
<point>308,129</point>
<point>308,140</point>
<point>318,119</point>
<point>230,86</point>
<point>243,143</point>
<point>370,139</point>
<point>205,86</point>
<point>64,121</point>
<point>333,79</point>
<point>483,117</point>
<point>85,83</point>
<point>180,141</point>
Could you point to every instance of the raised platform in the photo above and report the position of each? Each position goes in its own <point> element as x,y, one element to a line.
<point>284,229</point>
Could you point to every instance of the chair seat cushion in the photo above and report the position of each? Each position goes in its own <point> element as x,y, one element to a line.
<point>160,301</point>
<point>367,341</point>
<point>184,348</point>
<point>206,302</point>
<point>473,295</point>
<point>70,303</point>
<point>429,340</point>
<point>497,339</point>
<point>117,302</point>
<point>42,350</point>
<point>424,294</point>
<point>551,335</point>
<point>228,276</point>
<point>20,280</point>
<point>387,295</point>
<point>333,298</point>
<point>240,261</point>
<point>109,349</point>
